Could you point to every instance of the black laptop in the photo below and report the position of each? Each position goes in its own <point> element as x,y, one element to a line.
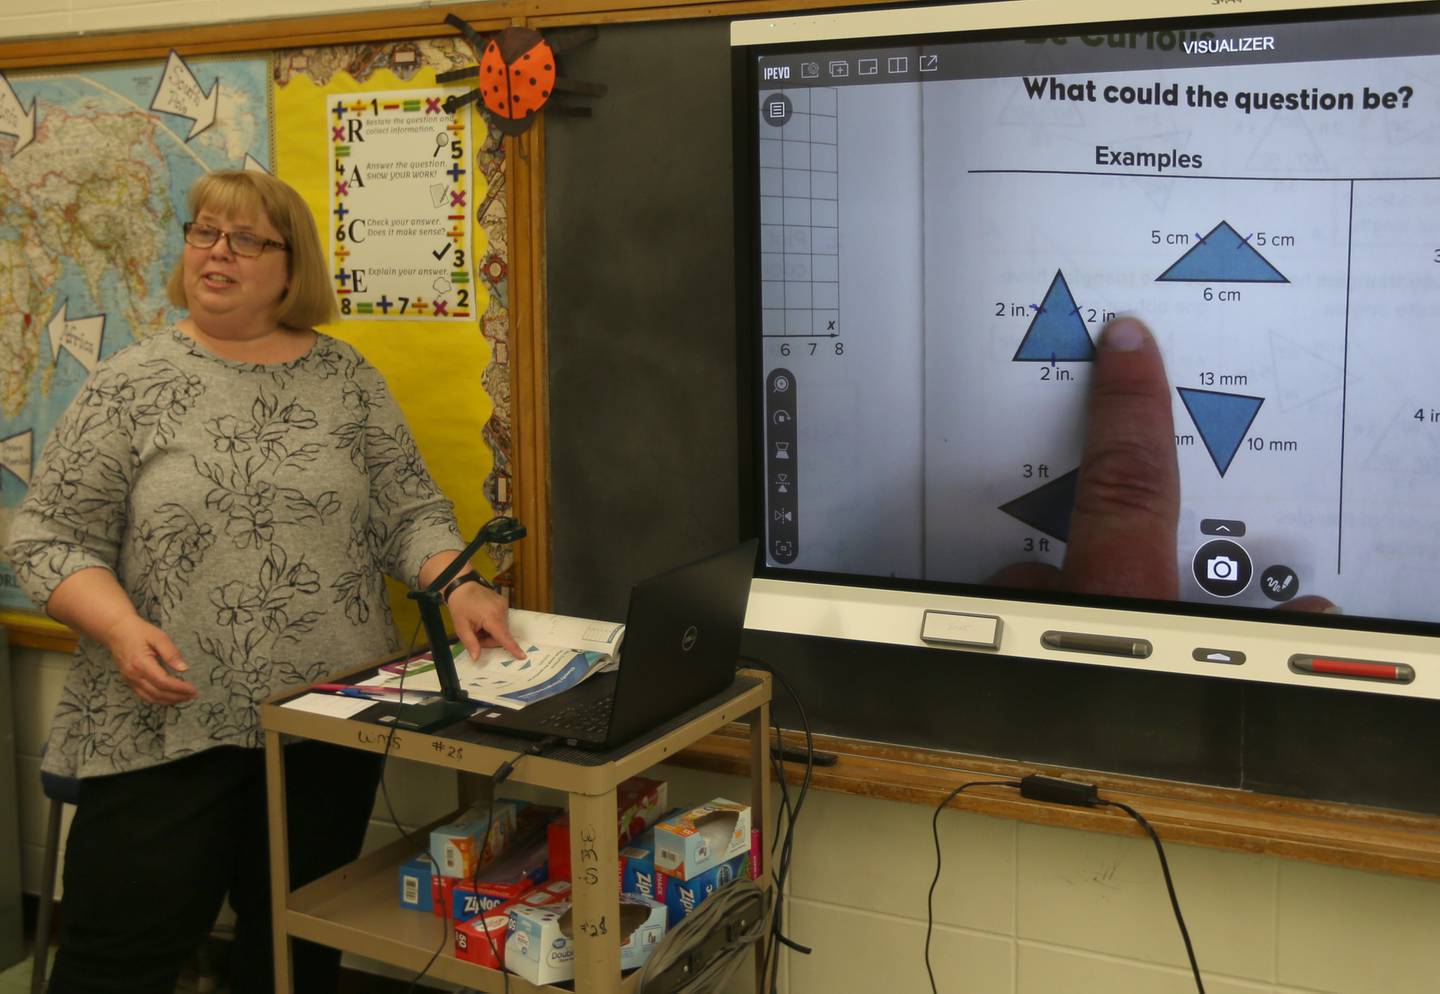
<point>682,637</point>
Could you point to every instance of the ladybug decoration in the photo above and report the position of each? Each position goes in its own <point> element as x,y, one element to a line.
<point>516,76</point>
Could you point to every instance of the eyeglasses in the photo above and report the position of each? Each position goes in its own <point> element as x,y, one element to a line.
<point>241,242</point>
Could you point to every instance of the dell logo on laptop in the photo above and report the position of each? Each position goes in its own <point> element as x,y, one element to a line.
<point>688,640</point>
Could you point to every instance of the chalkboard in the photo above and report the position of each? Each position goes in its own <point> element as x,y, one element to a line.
<point>647,473</point>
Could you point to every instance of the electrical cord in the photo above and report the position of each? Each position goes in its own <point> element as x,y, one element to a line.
<point>1058,791</point>
<point>935,828</point>
<point>704,949</point>
<point>501,774</point>
<point>390,740</point>
<point>1169,887</point>
<point>771,962</point>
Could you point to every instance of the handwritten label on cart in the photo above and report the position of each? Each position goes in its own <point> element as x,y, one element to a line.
<point>448,749</point>
<point>368,737</point>
<point>401,196</point>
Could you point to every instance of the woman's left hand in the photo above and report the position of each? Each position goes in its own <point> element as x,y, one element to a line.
<point>480,617</point>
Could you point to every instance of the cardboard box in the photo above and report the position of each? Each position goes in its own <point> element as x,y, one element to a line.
<point>683,896</point>
<point>500,881</point>
<point>417,878</point>
<point>471,942</point>
<point>541,947</point>
<point>471,840</point>
<point>639,801</point>
<point>702,838</point>
<point>637,863</point>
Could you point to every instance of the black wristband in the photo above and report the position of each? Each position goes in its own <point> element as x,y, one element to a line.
<point>460,581</point>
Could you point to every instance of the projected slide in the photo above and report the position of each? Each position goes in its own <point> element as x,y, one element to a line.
<point>1274,224</point>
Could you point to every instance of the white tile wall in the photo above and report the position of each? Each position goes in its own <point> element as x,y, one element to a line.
<point>857,951</point>
<point>1050,970</point>
<point>1106,893</point>
<point>976,888</point>
<point>1357,933</point>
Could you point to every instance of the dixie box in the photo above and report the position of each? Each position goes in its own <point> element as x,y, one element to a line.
<point>542,947</point>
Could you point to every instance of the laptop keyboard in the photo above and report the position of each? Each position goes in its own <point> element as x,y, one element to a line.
<point>592,717</point>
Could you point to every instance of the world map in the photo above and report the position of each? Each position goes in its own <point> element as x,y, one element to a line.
<point>90,216</point>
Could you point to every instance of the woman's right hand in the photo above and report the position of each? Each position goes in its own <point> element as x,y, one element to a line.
<point>146,658</point>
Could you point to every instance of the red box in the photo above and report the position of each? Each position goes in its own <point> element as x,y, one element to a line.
<point>639,802</point>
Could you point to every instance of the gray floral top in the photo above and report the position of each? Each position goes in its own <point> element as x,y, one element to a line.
<point>248,510</point>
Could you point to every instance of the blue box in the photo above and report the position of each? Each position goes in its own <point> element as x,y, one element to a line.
<point>416,883</point>
<point>683,896</point>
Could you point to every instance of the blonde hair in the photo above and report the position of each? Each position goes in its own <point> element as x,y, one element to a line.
<point>308,299</point>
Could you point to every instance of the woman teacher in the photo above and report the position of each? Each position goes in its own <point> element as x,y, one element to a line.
<point>215,514</point>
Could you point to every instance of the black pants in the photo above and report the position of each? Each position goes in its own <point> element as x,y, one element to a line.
<point>152,854</point>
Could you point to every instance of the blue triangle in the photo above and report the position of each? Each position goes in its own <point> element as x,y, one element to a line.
<point>1222,257</point>
<point>1057,333</point>
<point>1223,420</point>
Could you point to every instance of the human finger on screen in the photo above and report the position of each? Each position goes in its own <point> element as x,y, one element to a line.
<point>1127,496</point>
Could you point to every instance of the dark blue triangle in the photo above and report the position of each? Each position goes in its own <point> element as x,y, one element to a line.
<point>1223,420</point>
<point>1222,257</point>
<point>1047,509</point>
<point>1057,333</point>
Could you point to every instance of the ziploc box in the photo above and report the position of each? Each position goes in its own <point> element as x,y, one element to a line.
<point>416,876</point>
<point>683,896</point>
<point>474,946</point>
<point>503,879</point>
<point>637,864</point>
<point>690,843</point>
<point>541,947</point>
<point>638,802</point>
<point>472,839</point>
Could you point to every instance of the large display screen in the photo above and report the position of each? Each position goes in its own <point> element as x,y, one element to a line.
<point>944,223</point>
